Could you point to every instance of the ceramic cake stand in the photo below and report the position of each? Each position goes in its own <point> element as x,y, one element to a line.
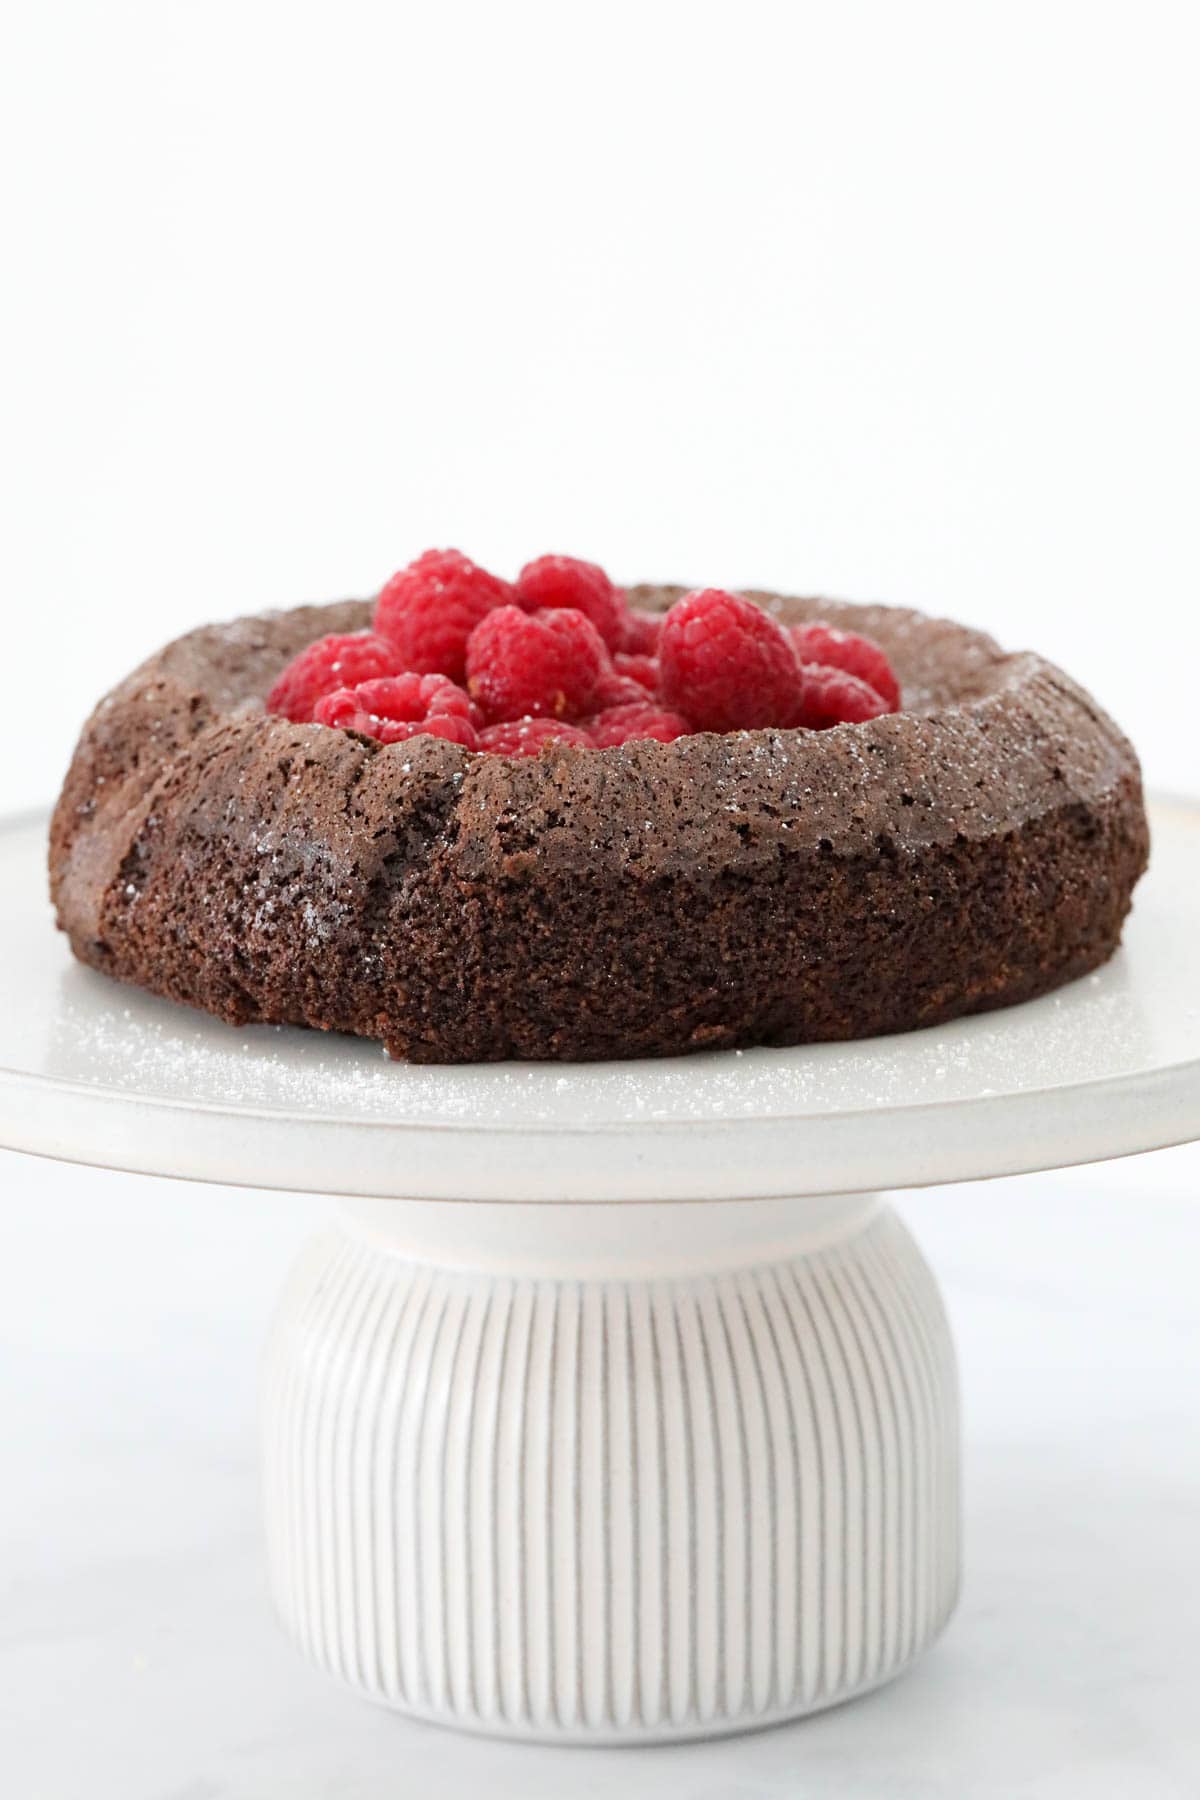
<point>615,1404</point>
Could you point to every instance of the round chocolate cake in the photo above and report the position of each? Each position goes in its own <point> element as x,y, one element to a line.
<point>750,887</point>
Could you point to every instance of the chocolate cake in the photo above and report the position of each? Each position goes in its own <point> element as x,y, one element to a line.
<point>756,887</point>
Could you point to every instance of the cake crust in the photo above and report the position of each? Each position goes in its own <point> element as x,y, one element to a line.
<point>763,887</point>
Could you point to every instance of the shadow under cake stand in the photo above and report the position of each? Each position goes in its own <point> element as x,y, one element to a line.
<point>615,1405</point>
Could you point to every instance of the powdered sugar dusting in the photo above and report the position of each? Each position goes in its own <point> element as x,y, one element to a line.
<point>148,1047</point>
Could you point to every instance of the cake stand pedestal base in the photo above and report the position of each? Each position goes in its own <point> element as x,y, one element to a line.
<point>602,1474</point>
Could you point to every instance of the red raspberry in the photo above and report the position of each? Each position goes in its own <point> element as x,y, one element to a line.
<point>564,581</point>
<point>829,696</point>
<point>725,664</point>
<point>626,724</point>
<point>642,632</point>
<point>342,660</point>
<point>639,667</point>
<point>430,609</point>
<point>548,663</point>
<point>861,656</point>
<point>527,737</point>
<point>402,707</point>
<point>618,690</point>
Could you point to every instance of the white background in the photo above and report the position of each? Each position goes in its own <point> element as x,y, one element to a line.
<point>893,301</point>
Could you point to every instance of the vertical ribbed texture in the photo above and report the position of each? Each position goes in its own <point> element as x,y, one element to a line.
<point>604,1510</point>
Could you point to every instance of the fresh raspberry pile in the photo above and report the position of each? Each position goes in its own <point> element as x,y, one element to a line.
<point>559,657</point>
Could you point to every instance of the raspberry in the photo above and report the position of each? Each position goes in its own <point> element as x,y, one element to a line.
<point>618,690</point>
<point>642,632</point>
<point>342,660</point>
<point>725,664</point>
<point>829,696</point>
<point>861,656</point>
<point>527,737</point>
<point>430,609</point>
<point>564,581</point>
<point>625,724</point>
<point>638,667</point>
<point>402,707</point>
<point>549,663</point>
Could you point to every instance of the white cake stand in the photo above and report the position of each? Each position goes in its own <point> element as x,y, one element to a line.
<point>543,1462</point>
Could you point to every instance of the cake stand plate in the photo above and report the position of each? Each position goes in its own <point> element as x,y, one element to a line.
<point>601,1472</point>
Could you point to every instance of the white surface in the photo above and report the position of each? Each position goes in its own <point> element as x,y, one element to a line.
<point>669,1497</point>
<point>891,301</point>
<point>99,1073</point>
<point>139,1660</point>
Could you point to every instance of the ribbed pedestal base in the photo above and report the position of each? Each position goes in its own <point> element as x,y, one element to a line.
<point>606,1474</point>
